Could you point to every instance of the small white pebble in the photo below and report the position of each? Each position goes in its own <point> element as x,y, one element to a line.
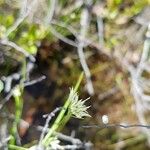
<point>105,119</point>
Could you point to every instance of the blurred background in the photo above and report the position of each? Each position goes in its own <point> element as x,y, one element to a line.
<point>109,40</point>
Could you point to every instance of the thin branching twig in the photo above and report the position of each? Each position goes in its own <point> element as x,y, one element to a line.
<point>84,22</point>
<point>49,117</point>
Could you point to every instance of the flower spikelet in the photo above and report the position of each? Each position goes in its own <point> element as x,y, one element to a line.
<point>78,107</point>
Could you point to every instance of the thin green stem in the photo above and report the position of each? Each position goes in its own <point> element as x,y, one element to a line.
<point>65,120</point>
<point>60,117</point>
<point>18,104</point>
<point>18,113</point>
<point>14,147</point>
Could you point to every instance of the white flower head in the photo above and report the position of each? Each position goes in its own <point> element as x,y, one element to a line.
<point>78,107</point>
<point>105,119</point>
<point>17,92</point>
<point>33,147</point>
<point>54,144</point>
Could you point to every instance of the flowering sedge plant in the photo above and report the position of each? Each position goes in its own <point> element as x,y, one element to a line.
<point>73,107</point>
